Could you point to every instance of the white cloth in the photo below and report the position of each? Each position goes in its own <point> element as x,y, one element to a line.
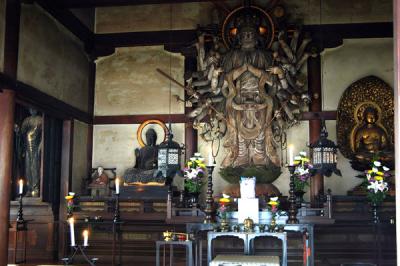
<point>244,260</point>
<point>247,187</point>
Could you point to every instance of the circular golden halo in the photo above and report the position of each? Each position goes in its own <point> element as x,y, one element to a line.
<point>144,124</point>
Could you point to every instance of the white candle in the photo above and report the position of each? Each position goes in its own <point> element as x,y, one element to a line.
<point>291,151</point>
<point>85,238</point>
<point>210,158</point>
<point>21,186</point>
<point>117,186</point>
<point>72,231</point>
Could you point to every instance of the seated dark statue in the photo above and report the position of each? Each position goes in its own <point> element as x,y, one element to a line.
<point>371,141</point>
<point>145,168</point>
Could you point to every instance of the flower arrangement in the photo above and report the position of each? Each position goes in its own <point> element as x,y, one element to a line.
<point>193,172</point>
<point>70,203</point>
<point>223,206</point>
<point>302,172</point>
<point>377,187</point>
<point>273,205</point>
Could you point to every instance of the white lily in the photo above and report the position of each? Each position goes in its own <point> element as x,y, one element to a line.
<point>375,170</point>
<point>274,199</point>
<point>297,158</point>
<point>226,196</point>
<point>385,168</point>
<point>375,186</point>
<point>377,163</point>
<point>303,153</point>
<point>197,154</point>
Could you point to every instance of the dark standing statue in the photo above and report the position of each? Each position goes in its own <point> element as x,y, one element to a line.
<point>31,133</point>
<point>146,162</point>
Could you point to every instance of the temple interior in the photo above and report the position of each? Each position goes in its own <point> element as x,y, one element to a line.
<point>199,132</point>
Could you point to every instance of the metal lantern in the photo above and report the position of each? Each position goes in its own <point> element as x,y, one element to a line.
<point>324,154</point>
<point>169,156</point>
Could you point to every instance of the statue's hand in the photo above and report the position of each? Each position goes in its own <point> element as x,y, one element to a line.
<point>275,70</point>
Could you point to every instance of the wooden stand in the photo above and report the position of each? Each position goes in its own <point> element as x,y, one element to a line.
<point>80,249</point>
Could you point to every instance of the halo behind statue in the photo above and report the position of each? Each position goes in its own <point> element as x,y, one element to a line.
<point>368,92</point>
<point>266,25</point>
<point>146,123</point>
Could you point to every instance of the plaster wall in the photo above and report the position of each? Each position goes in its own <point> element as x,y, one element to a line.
<point>2,32</point>
<point>127,82</point>
<point>51,59</point>
<point>341,67</point>
<point>189,15</point>
<point>79,159</point>
<point>114,145</point>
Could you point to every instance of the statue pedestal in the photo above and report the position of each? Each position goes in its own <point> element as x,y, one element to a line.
<point>144,192</point>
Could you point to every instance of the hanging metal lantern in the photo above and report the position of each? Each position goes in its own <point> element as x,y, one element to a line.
<point>324,154</point>
<point>169,156</point>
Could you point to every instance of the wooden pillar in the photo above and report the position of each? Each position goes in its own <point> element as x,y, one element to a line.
<point>396,39</point>
<point>92,82</point>
<point>190,133</point>
<point>66,178</point>
<point>314,87</point>
<point>7,107</point>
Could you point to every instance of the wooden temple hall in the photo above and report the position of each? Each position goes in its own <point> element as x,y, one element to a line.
<point>199,132</point>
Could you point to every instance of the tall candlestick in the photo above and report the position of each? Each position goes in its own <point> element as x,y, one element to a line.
<point>72,231</point>
<point>291,152</point>
<point>85,238</point>
<point>21,186</point>
<point>117,186</point>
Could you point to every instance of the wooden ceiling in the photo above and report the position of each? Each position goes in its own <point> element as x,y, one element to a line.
<point>108,3</point>
<point>96,45</point>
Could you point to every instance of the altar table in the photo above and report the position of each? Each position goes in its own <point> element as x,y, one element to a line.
<point>248,241</point>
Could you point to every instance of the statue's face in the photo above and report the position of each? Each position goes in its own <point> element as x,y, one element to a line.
<point>100,170</point>
<point>370,117</point>
<point>247,38</point>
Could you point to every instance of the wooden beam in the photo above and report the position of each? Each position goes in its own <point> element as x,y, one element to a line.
<point>138,119</point>
<point>173,37</point>
<point>327,115</point>
<point>69,21</point>
<point>108,3</point>
<point>47,103</point>
<point>330,35</point>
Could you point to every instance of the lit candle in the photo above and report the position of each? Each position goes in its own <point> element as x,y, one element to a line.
<point>72,231</point>
<point>85,238</point>
<point>291,151</point>
<point>210,158</point>
<point>117,186</point>
<point>21,186</point>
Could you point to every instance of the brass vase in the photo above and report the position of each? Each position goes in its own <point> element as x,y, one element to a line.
<point>224,224</point>
<point>272,225</point>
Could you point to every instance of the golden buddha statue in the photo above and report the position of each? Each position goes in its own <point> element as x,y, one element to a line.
<point>370,139</point>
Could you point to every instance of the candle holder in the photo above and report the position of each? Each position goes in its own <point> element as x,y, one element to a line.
<point>21,227</point>
<point>79,249</point>
<point>116,233</point>
<point>116,210</point>
<point>20,215</point>
<point>292,198</point>
<point>209,210</point>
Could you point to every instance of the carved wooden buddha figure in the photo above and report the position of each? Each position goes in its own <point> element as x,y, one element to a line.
<point>370,138</point>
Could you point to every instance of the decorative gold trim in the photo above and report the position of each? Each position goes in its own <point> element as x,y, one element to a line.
<point>144,124</point>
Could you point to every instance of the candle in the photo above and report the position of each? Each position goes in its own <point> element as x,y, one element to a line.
<point>21,186</point>
<point>85,238</point>
<point>117,186</point>
<point>210,158</point>
<point>72,231</point>
<point>291,149</point>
